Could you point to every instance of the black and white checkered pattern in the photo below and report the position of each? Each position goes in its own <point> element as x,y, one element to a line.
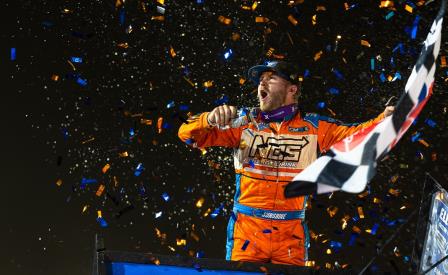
<point>351,163</point>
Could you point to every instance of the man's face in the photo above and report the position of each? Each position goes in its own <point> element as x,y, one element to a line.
<point>272,91</point>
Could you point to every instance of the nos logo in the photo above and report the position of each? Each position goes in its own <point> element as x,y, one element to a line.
<point>284,149</point>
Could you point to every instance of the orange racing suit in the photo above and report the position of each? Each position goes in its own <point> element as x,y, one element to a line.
<point>265,226</point>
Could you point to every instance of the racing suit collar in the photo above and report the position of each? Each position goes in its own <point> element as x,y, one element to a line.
<point>280,114</point>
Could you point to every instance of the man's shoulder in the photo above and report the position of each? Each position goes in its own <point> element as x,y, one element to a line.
<point>314,119</point>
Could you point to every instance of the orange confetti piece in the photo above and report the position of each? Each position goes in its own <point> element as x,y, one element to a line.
<point>317,55</point>
<point>394,178</point>
<point>314,19</point>
<point>224,20</point>
<point>89,140</point>
<point>443,61</point>
<point>332,210</point>
<point>310,263</point>
<point>194,236</point>
<point>99,214</point>
<point>261,19</point>
<point>146,121</point>
<point>293,20</point>
<point>172,52</point>
<point>363,194</point>
<point>247,8</point>
<point>376,200</point>
<point>159,124</point>
<point>59,182</point>
<point>356,229</point>
<point>242,81</point>
<point>123,45</point>
<point>84,209</point>
<point>408,8</point>
<point>157,262</point>
<point>105,168</point>
<point>161,2</point>
<point>394,192</point>
<point>158,18</point>
<point>328,265</point>
<point>207,212</point>
<point>203,151</point>
<point>118,3</point>
<point>264,269</point>
<point>321,8</point>
<point>55,77</point>
<point>331,112</point>
<point>71,64</point>
<point>189,81</point>
<point>236,36</point>
<point>386,4</point>
<point>346,6</point>
<point>123,154</point>
<point>254,5</point>
<point>208,84</point>
<point>328,251</point>
<point>180,242</point>
<point>270,52</point>
<point>360,212</point>
<point>422,141</point>
<point>200,202</point>
<point>115,181</point>
<point>100,190</point>
<point>365,43</point>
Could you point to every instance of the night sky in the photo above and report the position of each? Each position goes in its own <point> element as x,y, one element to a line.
<point>97,90</point>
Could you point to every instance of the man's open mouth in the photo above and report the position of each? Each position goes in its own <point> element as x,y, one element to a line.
<point>263,95</point>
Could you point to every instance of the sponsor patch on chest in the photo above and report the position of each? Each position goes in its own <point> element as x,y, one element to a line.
<point>298,129</point>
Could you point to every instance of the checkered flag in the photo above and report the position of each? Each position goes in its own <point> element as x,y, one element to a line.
<point>351,163</point>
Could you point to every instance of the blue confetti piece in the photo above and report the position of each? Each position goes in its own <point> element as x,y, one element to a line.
<point>75,59</point>
<point>102,222</point>
<point>415,137</point>
<point>352,240</point>
<point>228,54</point>
<point>216,211</point>
<point>190,141</point>
<point>183,107</point>
<point>122,16</point>
<point>321,105</point>
<point>374,228</point>
<point>306,74</point>
<point>251,163</point>
<point>200,1</point>
<point>335,245</point>
<point>406,259</point>
<point>13,54</point>
<point>81,81</point>
<point>413,32</point>
<point>267,231</point>
<point>382,77</point>
<point>338,74</point>
<point>138,171</point>
<point>333,91</point>
<point>200,254</point>
<point>399,47</point>
<point>397,76</point>
<point>85,181</point>
<point>372,64</point>
<point>431,122</point>
<point>131,132</point>
<point>170,105</point>
<point>246,243</point>
<point>167,125</point>
<point>355,218</point>
<point>165,196</point>
<point>389,15</point>
<point>392,61</point>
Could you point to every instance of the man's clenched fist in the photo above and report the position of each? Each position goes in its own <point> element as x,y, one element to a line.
<point>222,115</point>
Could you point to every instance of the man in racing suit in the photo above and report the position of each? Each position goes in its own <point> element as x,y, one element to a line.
<point>276,144</point>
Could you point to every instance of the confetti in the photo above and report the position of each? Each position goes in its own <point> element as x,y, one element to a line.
<point>13,54</point>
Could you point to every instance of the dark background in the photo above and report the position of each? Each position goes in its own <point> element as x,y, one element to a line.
<point>46,124</point>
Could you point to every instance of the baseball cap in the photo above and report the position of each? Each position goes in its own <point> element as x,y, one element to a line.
<point>283,69</point>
